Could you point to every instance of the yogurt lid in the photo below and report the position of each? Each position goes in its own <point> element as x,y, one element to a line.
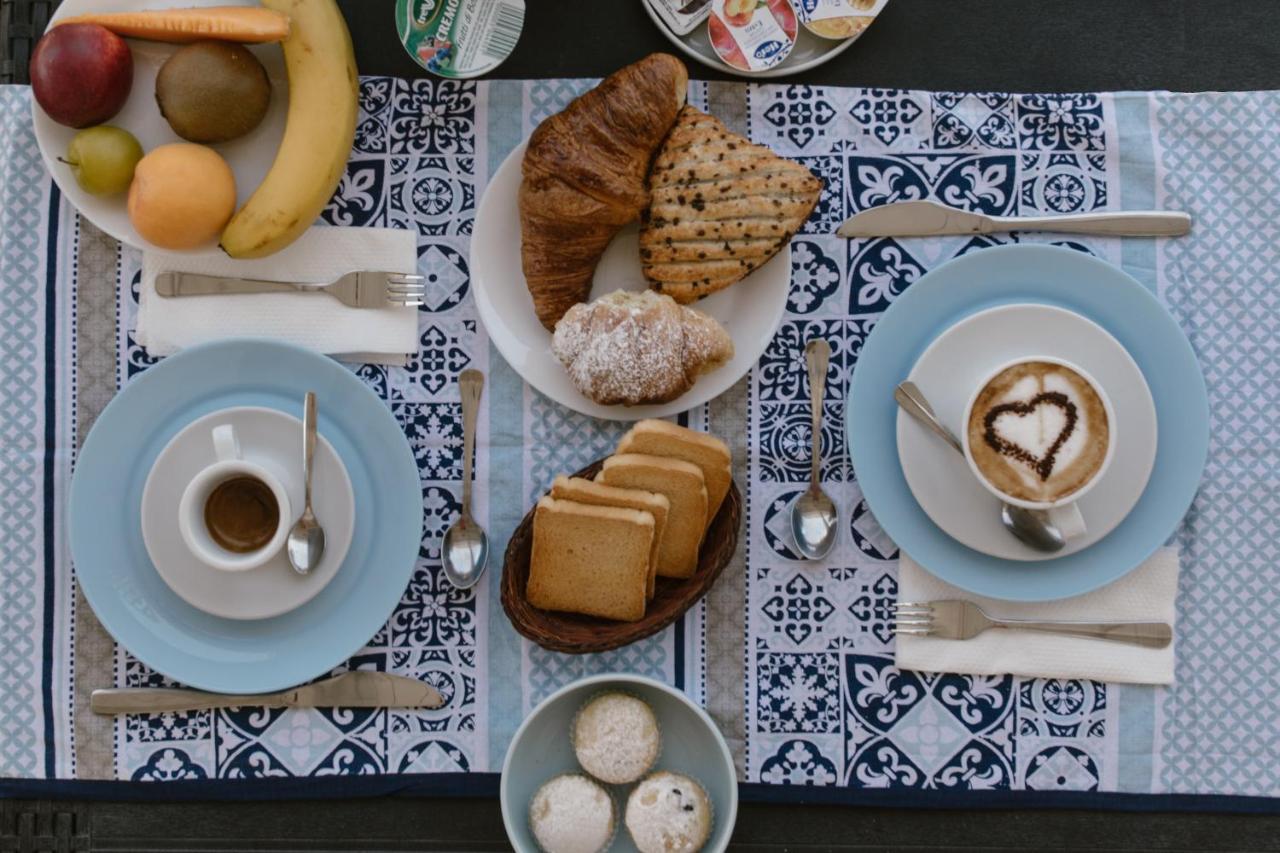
<point>459,38</point>
<point>838,19</point>
<point>682,16</point>
<point>752,35</point>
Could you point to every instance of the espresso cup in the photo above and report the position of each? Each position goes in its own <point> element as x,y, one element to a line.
<point>233,474</point>
<point>1039,433</point>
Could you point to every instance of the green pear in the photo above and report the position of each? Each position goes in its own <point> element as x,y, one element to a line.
<point>102,159</point>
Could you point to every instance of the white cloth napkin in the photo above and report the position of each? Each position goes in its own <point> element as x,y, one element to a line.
<point>312,320</point>
<point>1144,595</point>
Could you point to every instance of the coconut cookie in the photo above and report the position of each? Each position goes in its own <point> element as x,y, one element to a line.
<point>616,738</point>
<point>669,813</point>
<point>572,814</point>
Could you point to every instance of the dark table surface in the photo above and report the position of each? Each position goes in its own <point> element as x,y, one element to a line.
<point>963,45</point>
<point>1004,45</point>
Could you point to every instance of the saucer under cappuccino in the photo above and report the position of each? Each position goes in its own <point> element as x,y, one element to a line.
<point>1038,431</point>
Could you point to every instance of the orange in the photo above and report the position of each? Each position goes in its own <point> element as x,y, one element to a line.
<point>181,196</point>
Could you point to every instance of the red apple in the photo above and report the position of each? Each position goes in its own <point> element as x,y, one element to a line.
<point>81,74</point>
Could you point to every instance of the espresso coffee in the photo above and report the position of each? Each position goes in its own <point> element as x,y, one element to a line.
<point>241,514</point>
<point>1038,431</point>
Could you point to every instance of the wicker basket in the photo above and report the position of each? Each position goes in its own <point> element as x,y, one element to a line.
<point>22,22</point>
<point>577,634</point>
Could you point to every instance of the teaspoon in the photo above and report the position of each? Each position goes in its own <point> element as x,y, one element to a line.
<point>1030,526</point>
<point>466,548</point>
<point>306,540</point>
<point>813,515</point>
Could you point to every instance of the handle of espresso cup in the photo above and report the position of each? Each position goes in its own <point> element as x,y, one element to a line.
<point>225,444</point>
<point>1068,520</point>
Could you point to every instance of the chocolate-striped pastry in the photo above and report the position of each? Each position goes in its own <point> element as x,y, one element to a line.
<point>721,207</point>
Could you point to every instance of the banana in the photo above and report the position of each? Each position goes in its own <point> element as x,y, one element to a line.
<point>319,130</point>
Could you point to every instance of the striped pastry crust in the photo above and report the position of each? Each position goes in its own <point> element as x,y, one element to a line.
<point>721,207</point>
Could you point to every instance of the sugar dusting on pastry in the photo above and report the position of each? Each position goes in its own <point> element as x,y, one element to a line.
<point>669,813</point>
<point>616,738</point>
<point>637,348</point>
<point>572,814</point>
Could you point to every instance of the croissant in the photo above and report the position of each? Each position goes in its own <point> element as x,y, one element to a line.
<point>584,177</point>
<point>638,348</point>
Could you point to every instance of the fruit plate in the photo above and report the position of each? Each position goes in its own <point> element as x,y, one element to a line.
<point>573,633</point>
<point>749,310</point>
<point>250,156</point>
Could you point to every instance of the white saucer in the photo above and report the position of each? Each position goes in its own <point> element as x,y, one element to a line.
<point>749,310</point>
<point>958,358</point>
<point>274,440</point>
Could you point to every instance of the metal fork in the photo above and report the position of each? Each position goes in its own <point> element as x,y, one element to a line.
<point>964,620</point>
<point>357,289</point>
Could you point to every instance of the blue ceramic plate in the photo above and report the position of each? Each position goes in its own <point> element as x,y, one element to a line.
<point>691,744</point>
<point>1052,276</point>
<point>134,603</point>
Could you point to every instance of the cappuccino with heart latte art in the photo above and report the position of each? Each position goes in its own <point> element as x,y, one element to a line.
<point>1039,431</point>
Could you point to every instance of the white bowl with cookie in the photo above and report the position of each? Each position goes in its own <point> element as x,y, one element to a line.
<point>680,791</point>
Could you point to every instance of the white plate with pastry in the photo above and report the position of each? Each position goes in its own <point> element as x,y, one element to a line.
<point>714,215</point>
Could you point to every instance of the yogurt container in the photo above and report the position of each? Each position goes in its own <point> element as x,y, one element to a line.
<point>752,35</point>
<point>682,16</point>
<point>459,38</point>
<point>838,19</point>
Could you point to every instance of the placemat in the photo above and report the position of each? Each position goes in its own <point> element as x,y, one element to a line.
<point>793,660</point>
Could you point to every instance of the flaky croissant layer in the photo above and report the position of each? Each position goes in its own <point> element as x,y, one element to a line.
<point>584,177</point>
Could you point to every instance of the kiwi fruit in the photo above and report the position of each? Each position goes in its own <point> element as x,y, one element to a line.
<point>212,91</point>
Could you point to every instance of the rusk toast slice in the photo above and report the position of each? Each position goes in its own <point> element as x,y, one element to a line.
<point>598,494</point>
<point>661,438</point>
<point>590,559</point>
<point>682,484</point>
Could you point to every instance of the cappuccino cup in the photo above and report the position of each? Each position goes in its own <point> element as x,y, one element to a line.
<point>1039,433</point>
<point>234,515</point>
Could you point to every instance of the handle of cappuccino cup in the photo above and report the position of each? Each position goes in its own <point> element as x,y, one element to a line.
<point>225,444</point>
<point>1068,520</point>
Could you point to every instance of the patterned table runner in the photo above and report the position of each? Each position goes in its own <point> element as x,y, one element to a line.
<point>794,661</point>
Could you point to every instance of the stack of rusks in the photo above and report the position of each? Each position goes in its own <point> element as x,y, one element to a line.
<point>600,546</point>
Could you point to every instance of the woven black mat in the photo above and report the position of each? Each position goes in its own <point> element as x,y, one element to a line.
<point>21,24</point>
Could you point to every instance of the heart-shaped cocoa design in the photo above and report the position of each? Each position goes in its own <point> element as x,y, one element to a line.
<point>1042,465</point>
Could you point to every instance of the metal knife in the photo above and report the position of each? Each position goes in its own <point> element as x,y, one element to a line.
<point>929,219</point>
<point>359,689</point>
